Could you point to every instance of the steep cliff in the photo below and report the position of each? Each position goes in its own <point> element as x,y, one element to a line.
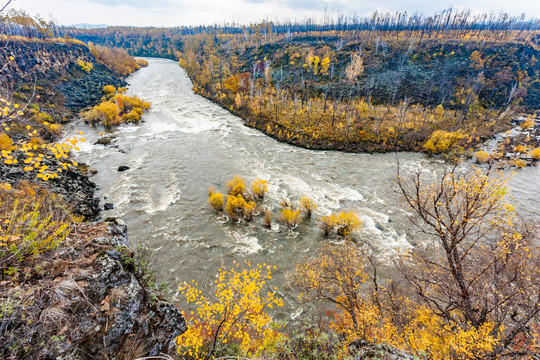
<point>51,74</point>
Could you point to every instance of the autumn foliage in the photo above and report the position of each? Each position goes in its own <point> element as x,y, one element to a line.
<point>481,265</point>
<point>117,60</point>
<point>344,223</point>
<point>117,108</point>
<point>32,221</point>
<point>233,312</point>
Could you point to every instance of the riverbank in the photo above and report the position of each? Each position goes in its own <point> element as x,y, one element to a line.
<point>508,147</point>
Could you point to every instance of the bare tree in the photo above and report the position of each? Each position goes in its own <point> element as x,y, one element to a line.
<point>480,265</point>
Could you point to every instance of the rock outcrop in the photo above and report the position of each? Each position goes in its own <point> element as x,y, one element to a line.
<point>89,299</point>
<point>51,71</point>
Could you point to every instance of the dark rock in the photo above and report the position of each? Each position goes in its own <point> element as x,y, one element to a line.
<point>108,206</point>
<point>55,67</point>
<point>123,168</point>
<point>105,140</point>
<point>74,186</point>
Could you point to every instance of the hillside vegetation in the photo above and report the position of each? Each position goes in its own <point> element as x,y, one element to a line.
<point>370,92</point>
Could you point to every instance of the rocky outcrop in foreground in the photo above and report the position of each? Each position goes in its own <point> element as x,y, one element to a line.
<point>88,299</point>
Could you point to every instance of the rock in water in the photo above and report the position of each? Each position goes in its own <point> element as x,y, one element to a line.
<point>123,168</point>
<point>108,206</point>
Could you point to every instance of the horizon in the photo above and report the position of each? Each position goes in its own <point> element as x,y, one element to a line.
<point>178,13</point>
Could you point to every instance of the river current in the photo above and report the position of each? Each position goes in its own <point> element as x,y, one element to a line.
<point>187,144</point>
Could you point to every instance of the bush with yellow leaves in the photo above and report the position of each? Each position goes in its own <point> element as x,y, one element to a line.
<point>117,108</point>
<point>520,148</point>
<point>481,156</point>
<point>267,218</point>
<point>327,223</point>
<point>338,275</point>
<point>535,153</point>
<point>32,221</point>
<point>290,217</point>
<point>307,205</point>
<point>527,124</point>
<point>236,186</point>
<point>109,89</point>
<point>519,163</point>
<point>259,187</point>
<point>237,205</point>
<point>85,66</point>
<point>231,314</point>
<point>345,223</point>
<point>215,199</point>
<point>442,141</point>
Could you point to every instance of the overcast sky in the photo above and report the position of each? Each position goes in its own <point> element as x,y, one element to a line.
<point>195,12</point>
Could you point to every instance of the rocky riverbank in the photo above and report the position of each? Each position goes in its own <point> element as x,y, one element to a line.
<point>50,74</point>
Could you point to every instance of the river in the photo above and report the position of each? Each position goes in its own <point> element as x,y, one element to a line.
<point>187,144</point>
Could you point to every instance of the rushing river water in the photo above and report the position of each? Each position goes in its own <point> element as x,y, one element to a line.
<point>187,144</point>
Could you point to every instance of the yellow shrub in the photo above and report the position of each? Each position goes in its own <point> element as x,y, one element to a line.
<point>290,217</point>
<point>232,313</point>
<point>247,210</point>
<point>268,218</point>
<point>520,163</point>
<point>441,141</point>
<point>260,187</point>
<point>535,153</point>
<point>236,186</point>
<point>520,148</point>
<point>307,205</point>
<point>86,66</point>
<point>105,113</point>
<point>234,205</point>
<point>527,124</point>
<point>327,223</point>
<point>216,201</point>
<point>481,156</point>
<point>346,223</point>
<point>29,225</point>
<point>142,62</point>
<point>117,109</point>
<point>109,89</point>
<point>132,116</point>
<point>426,333</point>
<point>54,128</point>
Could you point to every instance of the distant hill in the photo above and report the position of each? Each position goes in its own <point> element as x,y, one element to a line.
<point>89,26</point>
